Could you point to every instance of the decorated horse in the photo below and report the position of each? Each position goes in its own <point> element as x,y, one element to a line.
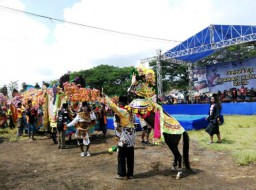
<point>165,127</point>
<point>142,102</point>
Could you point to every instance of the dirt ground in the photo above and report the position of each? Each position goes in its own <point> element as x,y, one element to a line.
<point>41,165</point>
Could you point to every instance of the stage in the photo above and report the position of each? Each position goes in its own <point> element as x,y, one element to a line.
<point>192,116</point>
<point>192,122</point>
<point>244,108</point>
<point>189,122</point>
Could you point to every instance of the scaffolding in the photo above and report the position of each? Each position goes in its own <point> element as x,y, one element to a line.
<point>206,42</point>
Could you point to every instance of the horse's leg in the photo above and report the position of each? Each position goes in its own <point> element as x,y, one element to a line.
<point>173,141</point>
<point>177,155</point>
<point>186,152</point>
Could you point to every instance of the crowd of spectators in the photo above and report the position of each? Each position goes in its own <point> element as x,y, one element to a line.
<point>242,94</point>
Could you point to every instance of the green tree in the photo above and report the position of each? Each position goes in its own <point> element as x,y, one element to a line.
<point>174,76</point>
<point>13,88</point>
<point>24,87</point>
<point>53,82</point>
<point>4,90</point>
<point>113,80</point>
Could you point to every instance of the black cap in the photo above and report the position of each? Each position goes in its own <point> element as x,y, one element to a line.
<point>29,101</point>
<point>84,104</point>
<point>123,99</point>
<point>64,105</point>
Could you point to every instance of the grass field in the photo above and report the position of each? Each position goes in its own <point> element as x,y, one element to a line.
<point>238,134</point>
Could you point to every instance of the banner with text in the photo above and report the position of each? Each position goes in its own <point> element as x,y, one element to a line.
<point>223,76</point>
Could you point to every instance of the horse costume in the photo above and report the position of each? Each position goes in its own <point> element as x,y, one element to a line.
<point>165,126</point>
<point>142,102</point>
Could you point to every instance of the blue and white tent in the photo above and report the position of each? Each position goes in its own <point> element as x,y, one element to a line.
<point>210,40</point>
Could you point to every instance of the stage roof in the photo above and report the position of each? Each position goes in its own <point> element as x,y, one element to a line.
<point>211,39</point>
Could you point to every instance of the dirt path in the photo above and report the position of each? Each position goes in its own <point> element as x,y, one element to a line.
<point>40,165</point>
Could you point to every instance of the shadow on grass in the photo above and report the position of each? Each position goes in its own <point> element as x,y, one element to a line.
<point>216,143</point>
<point>227,141</point>
<point>102,152</point>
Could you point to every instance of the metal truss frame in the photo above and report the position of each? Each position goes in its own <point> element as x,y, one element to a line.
<point>214,37</point>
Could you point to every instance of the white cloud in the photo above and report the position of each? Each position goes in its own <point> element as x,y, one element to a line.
<point>27,55</point>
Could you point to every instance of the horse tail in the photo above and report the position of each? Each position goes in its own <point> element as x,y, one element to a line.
<point>186,151</point>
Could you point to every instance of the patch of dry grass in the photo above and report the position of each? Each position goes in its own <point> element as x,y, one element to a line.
<point>239,137</point>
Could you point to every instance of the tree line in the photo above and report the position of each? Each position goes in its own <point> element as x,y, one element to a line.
<point>114,80</point>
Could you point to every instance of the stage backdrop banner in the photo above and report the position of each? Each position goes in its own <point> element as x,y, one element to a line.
<point>223,76</point>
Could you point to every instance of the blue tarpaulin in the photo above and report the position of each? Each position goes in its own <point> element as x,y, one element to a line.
<point>244,108</point>
<point>189,122</point>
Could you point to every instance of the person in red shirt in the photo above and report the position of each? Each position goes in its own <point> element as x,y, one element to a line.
<point>243,92</point>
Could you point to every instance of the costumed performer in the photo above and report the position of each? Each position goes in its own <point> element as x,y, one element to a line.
<point>84,120</point>
<point>126,138</point>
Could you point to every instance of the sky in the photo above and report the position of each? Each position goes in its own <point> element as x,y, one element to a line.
<point>35,49</point>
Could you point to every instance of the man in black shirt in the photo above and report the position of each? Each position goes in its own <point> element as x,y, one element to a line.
<point>62,119</point>
<point>31,112</point>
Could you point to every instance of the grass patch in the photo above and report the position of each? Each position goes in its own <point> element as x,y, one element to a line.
<point>4,131</point>
<point>238,135</point>
<point>245,157</point>
<point>10,134</point>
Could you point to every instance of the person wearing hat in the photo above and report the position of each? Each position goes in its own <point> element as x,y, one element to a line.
<point>126,138</point>
<point>83,120</point>
<point>62,119</point>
